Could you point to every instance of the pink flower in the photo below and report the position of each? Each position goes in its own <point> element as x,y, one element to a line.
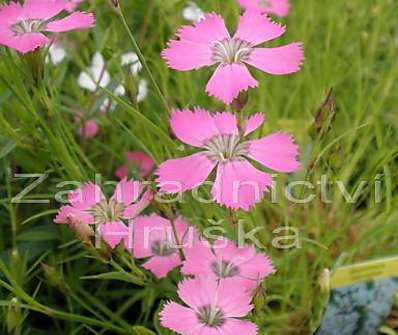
<point>212,308</point>
<point>143,163</point>
<point>238,184</point>
<point>72,4</point>
<point>226,260</point>
<point>88,206</point>
<point>208,43</point>
<point>89,129</point>
<point>278,7</point>
<point>154,238</point>
<point>23,27</point>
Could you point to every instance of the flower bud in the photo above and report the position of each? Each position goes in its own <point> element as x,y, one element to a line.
<point>52,275</point>
<point>324,281</point>
<point>83,231</point>
<point>13,317</point>
<point>259,299</point>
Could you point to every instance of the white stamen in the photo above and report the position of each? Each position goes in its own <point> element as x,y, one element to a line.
<point>28,26</point>
<point>230,51</point>
<point>225,147</point>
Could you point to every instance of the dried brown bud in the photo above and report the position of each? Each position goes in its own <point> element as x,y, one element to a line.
<point>325,114</point>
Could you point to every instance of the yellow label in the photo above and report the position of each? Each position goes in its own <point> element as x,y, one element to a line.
<point>366,271</point>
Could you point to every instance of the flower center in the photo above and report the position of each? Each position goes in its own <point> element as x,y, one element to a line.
<point>225,147</point>
<point>211,316</point>
<point>162,248</point>
<point>224,269</point>
<point>28,26</point>
<point>231,50</point>
<point>107,211</point>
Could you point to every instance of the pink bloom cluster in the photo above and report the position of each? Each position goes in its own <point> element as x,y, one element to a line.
<point>23,27</point>
<point>209,43</point>
<point>221,292</point>
<point>220,277</point>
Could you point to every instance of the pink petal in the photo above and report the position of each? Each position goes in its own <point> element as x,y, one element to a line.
<point>187,55</point>
<point>43,9</point>
<point>188,235</point>
<point>148,229</point>
<point>23,43</point>
<point>257,28</point>
<point>69,214</point>
<point>9,14</point>
<point>228,81</point>
<point>205,330</point>
<point>198,260</point>
<point>161,266</point>
<point>209,29</point>
<point>233,327</point>
<point>75,21</point>
<point>144,162</point>
<point>115,232</point>
<point>253,123</point>
<point>239,185</point>
<point>134,210</point>
<point>178,318</point>
<point>182,174</point>
<point>86,196</point>
<point>72,4</point>
<point>277,152</point>
<point>198,126</point>
<point>253,267</point>
<point>89,130</point>
<point>194,47</point>
<point>257,268</point>
<point>278,7</point>
<point>227,250</point>
<point>282,60</point>
<point>198,292</point>
<point>122,172</point>
<point>233,302</point>
<point>127,191</point>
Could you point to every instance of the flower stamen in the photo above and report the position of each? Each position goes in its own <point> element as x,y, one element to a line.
<point>224,269</point>
<point>28,26</point>
<point>225,147</point>
<point>105,211</point>
<point>163,248</point>
<point>231,51</point>
<point>211,316</point>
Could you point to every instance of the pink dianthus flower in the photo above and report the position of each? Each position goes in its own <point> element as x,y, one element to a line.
<point>211,308</point>
<point>238,184</point>
<point>23,27</point>
<point>224,259</point>
<point>89,206</point>
<point>155,239</point>
<point>209,43</point>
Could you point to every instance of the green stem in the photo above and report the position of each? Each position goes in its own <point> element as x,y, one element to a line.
<point>142,58</point>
